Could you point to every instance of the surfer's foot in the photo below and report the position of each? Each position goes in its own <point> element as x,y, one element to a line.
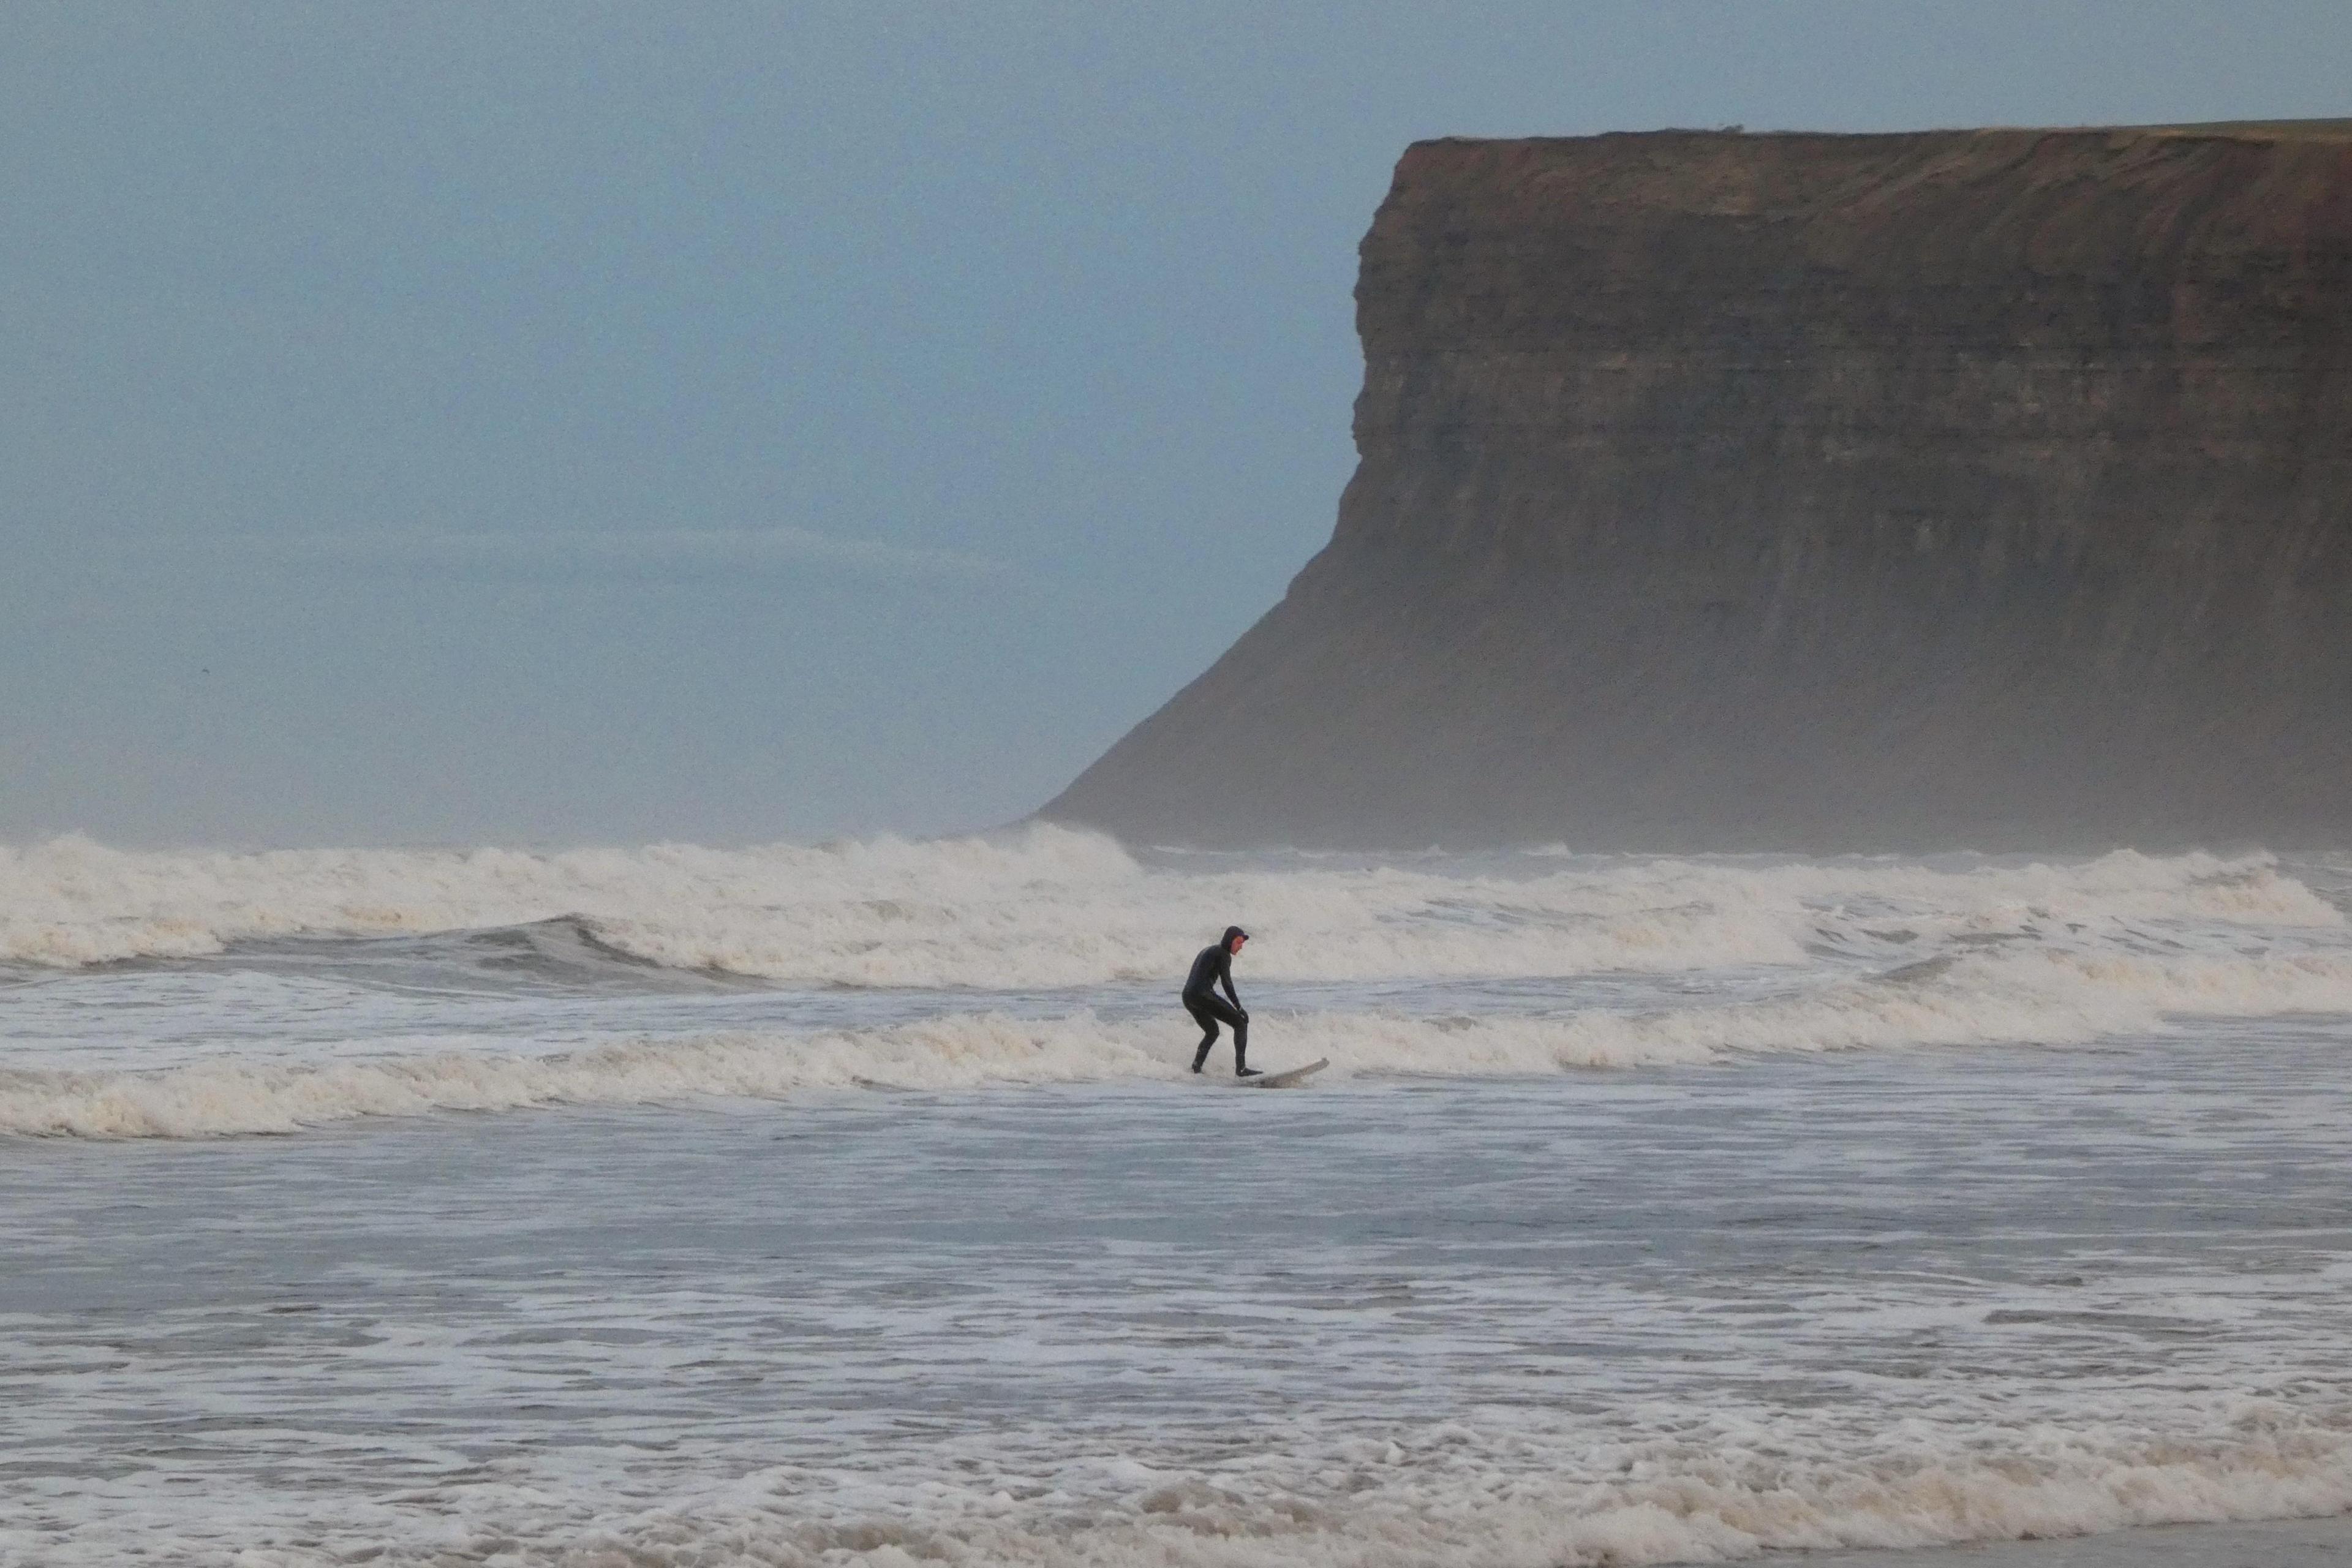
<point>1196,1067</point>
<point>1247,1072</point>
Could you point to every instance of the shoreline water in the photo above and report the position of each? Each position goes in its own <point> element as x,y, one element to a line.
<point>2323,1542</point>
<point>1661,1313</point>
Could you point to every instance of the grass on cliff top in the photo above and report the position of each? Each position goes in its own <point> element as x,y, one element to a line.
<point>2256,130</point>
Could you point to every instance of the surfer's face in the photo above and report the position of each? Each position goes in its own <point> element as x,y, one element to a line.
<point>1240,942</point>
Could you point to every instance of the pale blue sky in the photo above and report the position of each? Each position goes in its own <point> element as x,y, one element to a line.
<point>545,424</point>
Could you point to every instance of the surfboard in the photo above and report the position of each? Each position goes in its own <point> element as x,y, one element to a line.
<point>1290,1078</point>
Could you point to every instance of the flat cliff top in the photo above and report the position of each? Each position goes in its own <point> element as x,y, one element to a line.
<point>2260,130</point>
<point>2269,181</point>
<point>2249,130</point>
<point>1487,240</point>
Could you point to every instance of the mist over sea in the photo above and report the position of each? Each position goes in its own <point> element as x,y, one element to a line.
<point>851,1204</point>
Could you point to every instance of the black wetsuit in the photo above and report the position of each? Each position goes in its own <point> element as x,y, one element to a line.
<point>1213,968</point>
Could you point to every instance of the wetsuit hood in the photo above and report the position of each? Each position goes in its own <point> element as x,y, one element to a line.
<point>1231,933</point>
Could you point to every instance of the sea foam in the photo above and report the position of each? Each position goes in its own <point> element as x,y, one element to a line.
<point>1714,1489</point>
<point>1046,908</point>
<point>2032,997</point>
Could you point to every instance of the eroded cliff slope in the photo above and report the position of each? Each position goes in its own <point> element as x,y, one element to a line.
<point>1979,488</point>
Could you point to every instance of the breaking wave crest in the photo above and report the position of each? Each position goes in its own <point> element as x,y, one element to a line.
<point>1721,1487</point>
<point>2053,998</point>
<point>1049,908</point>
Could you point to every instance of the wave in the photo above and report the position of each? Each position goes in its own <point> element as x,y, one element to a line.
<point>2021,997</point>
<point>1382,1504</point>
<point>232,1095</point>
<point>1499,1494</point>
<point>1049,908</point>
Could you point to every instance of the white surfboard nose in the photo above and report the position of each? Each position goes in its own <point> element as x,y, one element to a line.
<point>1286,1079</point>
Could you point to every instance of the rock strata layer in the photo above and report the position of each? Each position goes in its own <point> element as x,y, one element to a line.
<point>1983,489</point>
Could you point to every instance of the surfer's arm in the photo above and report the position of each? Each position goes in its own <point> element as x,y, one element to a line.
<point>1226,978</point>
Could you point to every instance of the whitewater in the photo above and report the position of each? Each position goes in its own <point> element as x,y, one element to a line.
<point>850,1203</point>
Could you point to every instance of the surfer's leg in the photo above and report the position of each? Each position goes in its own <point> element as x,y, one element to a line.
<point>1212,1011</point>
<point>1208,1022</point>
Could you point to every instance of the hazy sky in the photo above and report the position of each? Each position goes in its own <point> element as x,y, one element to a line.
<point>545,424</point>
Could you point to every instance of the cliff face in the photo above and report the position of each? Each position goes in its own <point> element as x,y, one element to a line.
<point>1985,489</point>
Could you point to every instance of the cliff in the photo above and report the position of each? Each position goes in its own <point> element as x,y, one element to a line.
<point>1974,489</point>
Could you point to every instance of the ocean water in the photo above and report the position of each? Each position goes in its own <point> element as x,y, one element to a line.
<point>850,1205</point>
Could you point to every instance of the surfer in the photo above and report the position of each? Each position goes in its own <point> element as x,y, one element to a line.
<point>1213,968</point>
